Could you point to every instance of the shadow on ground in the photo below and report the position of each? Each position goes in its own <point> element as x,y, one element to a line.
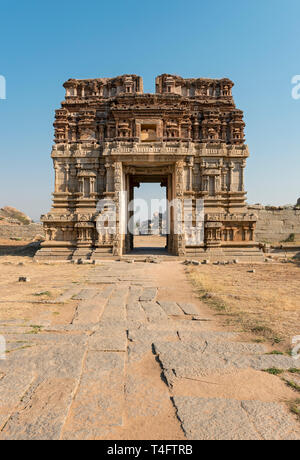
<point>296,259</point>
<point>28,250</point>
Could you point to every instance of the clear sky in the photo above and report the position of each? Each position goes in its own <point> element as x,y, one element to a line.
<point>253,42</point>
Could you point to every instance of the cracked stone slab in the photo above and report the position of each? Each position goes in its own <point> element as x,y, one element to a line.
<point>13,386</point>
<point>135,312</point>
<point>134,293</point>
<point>226,349</point>
<point>89,311</point>
<point>116,306</point>
<point>42,411</point>
<point>170,308</point>
<point>118,298</point>
<point>85,294</point>
<point>272,420</point>
<point>80,328</point>
<point>194,336</point>
<point>55,339</point>
<point>214,419</point>
<point>263,362</point>
<point>148,295</point>
<point>61,360</point>
<point>201,358</point>
<point>142,399</point>
<point>189,308</point>
<point>228,419</point>
<point>100,398</point>
<point>104,292</point>
<point>145,335</point>
<point>108,340</point>
<point>179,360</point>
<point>137,351</point>
<point>153,311</point>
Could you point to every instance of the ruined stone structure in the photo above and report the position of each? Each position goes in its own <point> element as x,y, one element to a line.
<point>110,136</point>
<point>276,224</point>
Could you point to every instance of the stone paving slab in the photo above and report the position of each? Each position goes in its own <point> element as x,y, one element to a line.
<point>189,308</point>
<point>42,412</point>
<point>86,294</point>
<point>13,386</point>
<point>199,335</point>
<point>116,305</point>
<point>148,295</point>
<point>170,308</point>
<point>153,311</point>
<point>100,398</point>
<point>89,311</point>
<point>228,419</point>
<point>142,398</point>
<point>47,338</point>
<point>263,362</point>
<point>214,419</point>
<point>272,420</point>
<point>108,340</point>
<point>201,358</point>
<point>135,312</point>
<point>137,351</point>
<point>62,360</point>
<point>144,335</point>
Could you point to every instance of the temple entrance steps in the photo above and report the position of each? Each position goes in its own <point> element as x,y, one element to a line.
<point>230,254</point>
<point>102,253</point>
<point>251,254</point>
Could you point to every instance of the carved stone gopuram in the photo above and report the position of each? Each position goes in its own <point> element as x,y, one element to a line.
<point>110,136</point>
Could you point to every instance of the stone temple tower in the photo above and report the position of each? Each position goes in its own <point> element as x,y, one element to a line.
<point>110,136</point>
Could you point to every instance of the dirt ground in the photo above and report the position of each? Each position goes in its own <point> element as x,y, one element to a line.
<point>263,299</point>
<point>149,241</point>
<point>33,301</point>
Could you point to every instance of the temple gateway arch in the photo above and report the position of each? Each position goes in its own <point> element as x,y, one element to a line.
<point>110,136</point>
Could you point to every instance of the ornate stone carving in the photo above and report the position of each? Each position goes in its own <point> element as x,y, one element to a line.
<point>109,136</point>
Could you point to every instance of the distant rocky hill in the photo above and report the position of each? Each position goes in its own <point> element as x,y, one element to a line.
<point>9,215</point>
<point>15,225</point>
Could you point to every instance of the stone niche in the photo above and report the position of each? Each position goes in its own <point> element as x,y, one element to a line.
<point>109,135</point>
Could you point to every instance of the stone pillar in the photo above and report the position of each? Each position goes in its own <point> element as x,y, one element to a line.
<point>67,177</point>
<point>230,168</point>
<point>81,185</point>
<point>179,239</point>
<point>108,176</point>
<point>56,185</point>
<point>92,185</point>
<point>118,237</point>
<point>243,165</point>
<point>190,174</point>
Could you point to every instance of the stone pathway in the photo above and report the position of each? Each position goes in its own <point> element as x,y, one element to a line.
<point>115,371</point>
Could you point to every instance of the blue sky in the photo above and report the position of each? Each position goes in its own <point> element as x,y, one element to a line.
<point>255,43</point>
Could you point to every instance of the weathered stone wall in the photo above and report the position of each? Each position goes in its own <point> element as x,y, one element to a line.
<point>25,232</point>
<point>276,224</point>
